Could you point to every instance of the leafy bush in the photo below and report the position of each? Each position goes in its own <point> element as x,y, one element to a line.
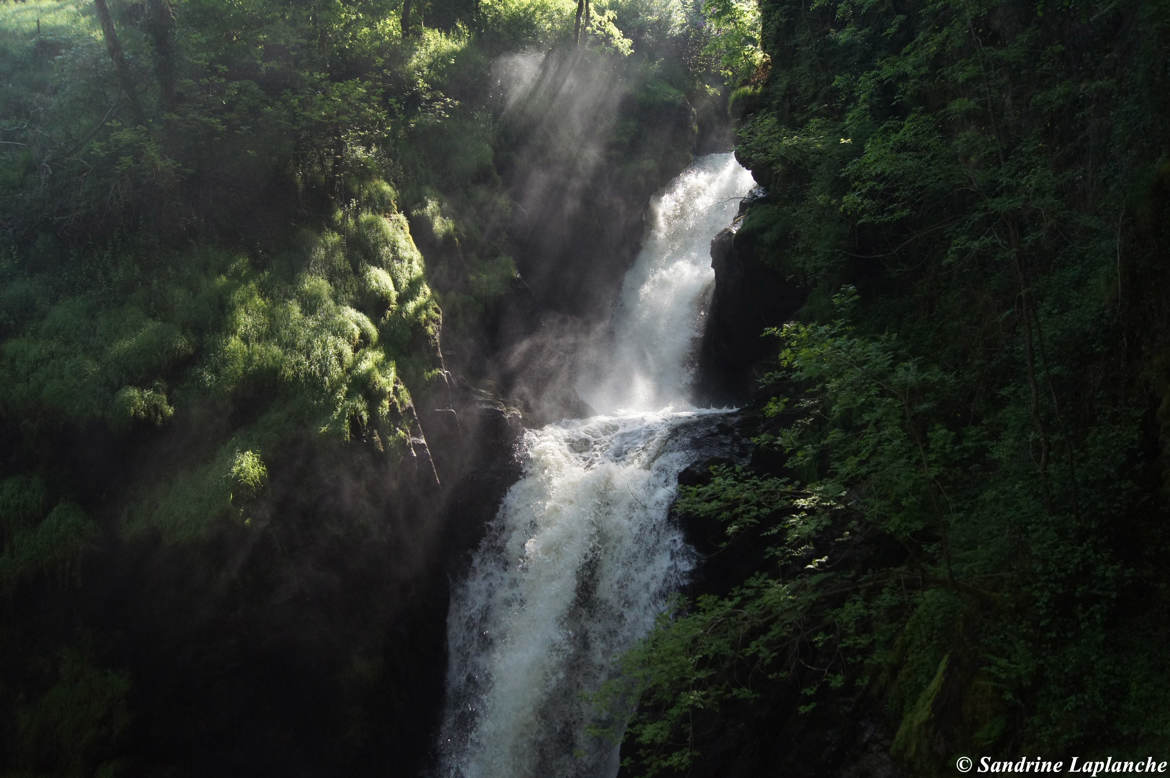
<point>149,405</point>
<point>248,474</point>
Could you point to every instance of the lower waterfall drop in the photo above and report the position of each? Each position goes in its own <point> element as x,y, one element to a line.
<point>581,558</point>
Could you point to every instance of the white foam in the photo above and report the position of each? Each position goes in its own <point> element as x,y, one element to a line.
<point>580,559</point>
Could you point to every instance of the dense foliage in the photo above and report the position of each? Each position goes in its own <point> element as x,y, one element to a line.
<point>218,508</point>
<point>960,478</point>
<point>233,235</point>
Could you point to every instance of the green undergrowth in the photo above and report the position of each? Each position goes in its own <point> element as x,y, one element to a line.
<point>72,726</point>
<point>37,538</point>
<point>321,339</point>
<point>902,566</point>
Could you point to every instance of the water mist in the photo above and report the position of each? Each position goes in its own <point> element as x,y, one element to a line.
<point>581,558</point>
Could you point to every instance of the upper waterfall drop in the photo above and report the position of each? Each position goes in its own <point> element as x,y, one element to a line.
<point>580,559</point>
<point>657,321</point>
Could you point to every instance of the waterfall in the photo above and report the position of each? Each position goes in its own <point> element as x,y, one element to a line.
<point>580,557</point>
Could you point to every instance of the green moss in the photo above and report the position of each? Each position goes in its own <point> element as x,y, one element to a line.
<point>329,259</point>
<point>743,99</point>
<point>430,214</point>
<point>187,505</point>
<point>371,405</point>
<point>492,278</point>
<point>922,646</point>
<point>314,294</point>
<point>378,196</point>
<point>380,289</point>
<point>915,740</point>
<point>72,364</point>
<point>305,349</point>
<point>308,341</point>
<point>389,245</point>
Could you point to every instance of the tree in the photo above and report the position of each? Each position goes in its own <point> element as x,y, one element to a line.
<point>582,8</point>
<point>125,77</point>
<point>406,7</point>
<point>160,23</point>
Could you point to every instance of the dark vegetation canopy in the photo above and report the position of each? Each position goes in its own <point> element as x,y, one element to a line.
<point>953,528</point>
<point>254,254</point>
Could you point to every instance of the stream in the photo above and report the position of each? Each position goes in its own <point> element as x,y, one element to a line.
<point>581,557</point>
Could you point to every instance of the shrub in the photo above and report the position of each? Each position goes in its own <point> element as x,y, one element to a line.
<point>248,475</point>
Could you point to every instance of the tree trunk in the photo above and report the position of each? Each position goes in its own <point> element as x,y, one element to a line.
<point>406,4</point>
<point>160,22</point>
<point>125,78</point>
<point>578,27</point>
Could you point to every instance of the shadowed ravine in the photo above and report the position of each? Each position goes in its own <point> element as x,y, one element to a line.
<point>581,557</point>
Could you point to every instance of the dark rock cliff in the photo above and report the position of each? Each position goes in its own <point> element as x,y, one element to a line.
<point>750,295</point>
<point>311,642</point>
<point>581,155</point>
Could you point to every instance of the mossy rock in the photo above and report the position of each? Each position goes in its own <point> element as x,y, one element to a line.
<point>925,732</point>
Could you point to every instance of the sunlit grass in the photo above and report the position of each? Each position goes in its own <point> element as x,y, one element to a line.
<point>434,51</point>
<point>58,19</point>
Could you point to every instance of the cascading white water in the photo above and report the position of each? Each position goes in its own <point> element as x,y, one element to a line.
<point>658,318</point>
<point>580,558</point>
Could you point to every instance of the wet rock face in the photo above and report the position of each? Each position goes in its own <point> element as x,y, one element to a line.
<point>312,642</point>
<point>587,159</point>
<point>473,437</point>
<point>750,295</point>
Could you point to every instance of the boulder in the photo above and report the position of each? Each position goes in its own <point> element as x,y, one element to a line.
<point>750,295</point>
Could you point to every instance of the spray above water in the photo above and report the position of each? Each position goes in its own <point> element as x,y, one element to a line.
<point>581,557</point>
<point>657,322</point>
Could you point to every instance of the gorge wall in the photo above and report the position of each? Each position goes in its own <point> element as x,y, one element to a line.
<point>260,402</point>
